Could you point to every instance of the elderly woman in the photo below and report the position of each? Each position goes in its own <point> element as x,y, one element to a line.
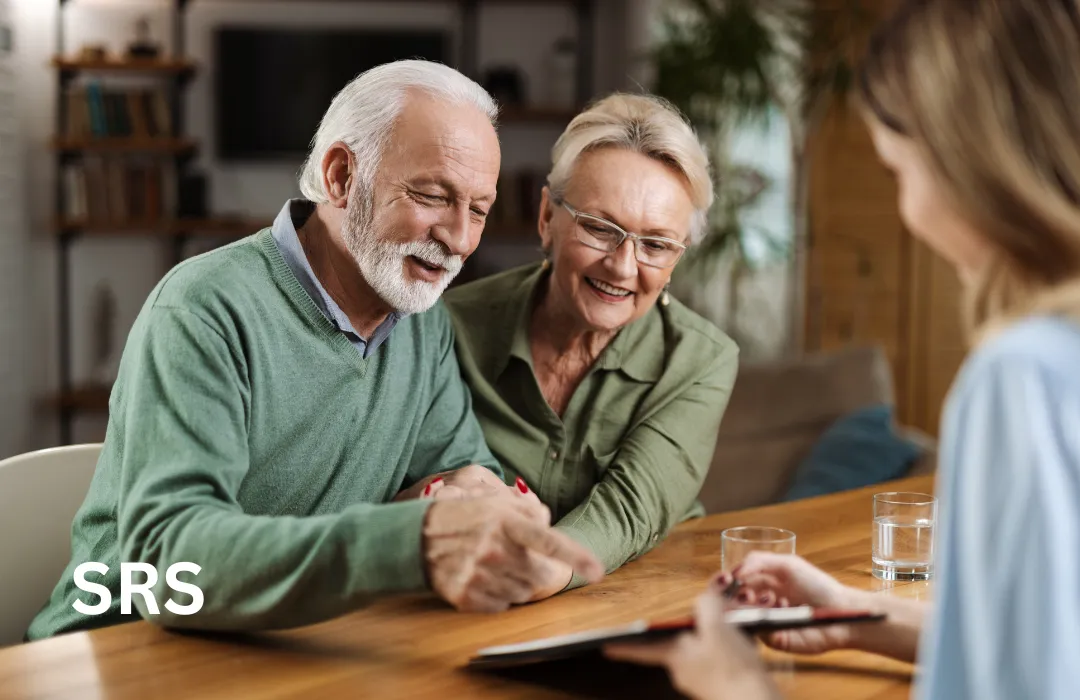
<point>595,388</point>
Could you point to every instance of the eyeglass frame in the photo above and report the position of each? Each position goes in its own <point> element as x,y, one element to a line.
<point>625,235</point>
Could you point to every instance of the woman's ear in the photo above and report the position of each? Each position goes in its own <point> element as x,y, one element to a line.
<point>547,210</point>
<point>338,171</point>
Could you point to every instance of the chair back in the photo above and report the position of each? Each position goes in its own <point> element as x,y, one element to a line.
<point>40,492</point>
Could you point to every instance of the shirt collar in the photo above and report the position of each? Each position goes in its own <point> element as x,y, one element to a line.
<point>293,215</point>
<point>637,350</point>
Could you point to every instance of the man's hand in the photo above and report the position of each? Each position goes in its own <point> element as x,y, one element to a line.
<point>486,554</point>
<point>554,577</point>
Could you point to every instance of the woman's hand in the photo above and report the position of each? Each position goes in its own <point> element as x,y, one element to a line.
<point>714,661</point>
<point>474,481</point>
<point>784,579</point>
<point>770,580</point>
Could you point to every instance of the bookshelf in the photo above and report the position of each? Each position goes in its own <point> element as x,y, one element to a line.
<point>120,149</point>
<point>221,226</point>
<point>129,66</point>
<point>105,144</point>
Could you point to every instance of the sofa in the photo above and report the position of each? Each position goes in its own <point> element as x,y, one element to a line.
<point>779,410</point>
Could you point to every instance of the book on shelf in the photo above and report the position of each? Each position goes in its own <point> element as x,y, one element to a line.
<point>96,111</point>
<point>99,189</point>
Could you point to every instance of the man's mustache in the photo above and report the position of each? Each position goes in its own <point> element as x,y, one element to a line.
<point>432,253</point>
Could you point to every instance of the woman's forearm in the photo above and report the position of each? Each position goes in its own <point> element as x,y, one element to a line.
<point>898,636</point>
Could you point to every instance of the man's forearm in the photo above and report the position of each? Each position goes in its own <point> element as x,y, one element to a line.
<point>261,572</point>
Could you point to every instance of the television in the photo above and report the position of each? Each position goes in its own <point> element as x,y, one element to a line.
<point>272,85</point>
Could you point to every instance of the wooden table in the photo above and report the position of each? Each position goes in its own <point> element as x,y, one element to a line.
<point>412,647</point>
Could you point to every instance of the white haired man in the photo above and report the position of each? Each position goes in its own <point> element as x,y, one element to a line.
<point>275,395</point>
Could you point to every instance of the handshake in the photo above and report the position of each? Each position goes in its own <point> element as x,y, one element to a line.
<point>488,546</point>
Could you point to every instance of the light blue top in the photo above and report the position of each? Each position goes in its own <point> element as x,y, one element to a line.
<point>292,216</point>
<point>1006,624</point>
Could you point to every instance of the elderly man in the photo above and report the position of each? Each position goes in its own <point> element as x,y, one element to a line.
<point>276,394</point>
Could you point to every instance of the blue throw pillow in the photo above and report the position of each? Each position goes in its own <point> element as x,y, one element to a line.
<point>858,450</point>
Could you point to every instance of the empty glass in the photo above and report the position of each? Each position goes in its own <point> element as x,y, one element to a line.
<point>737,542</point>
<point>903,536</point>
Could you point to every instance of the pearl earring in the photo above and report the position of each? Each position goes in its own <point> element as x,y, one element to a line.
<point>665,298</point>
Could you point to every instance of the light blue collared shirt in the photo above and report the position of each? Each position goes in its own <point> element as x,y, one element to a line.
<point>291,217</point>
<point>1006,623</point>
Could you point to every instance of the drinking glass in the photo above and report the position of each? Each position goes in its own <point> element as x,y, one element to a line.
<point>737,542</point>
<point>903,536</point>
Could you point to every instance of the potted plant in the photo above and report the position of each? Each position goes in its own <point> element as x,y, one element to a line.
<point>729,64</point>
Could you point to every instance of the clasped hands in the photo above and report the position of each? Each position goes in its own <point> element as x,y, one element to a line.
<point>488,546</point>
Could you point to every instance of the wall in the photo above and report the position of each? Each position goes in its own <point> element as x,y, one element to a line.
<point>518,32</point>
<point>14,387</point>
<point>869,281</point>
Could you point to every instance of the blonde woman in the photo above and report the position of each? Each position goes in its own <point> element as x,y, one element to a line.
<point>975,105</point>
<point>594,388</point>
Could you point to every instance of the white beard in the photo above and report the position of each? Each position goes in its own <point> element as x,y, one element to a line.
<point>382,262</point>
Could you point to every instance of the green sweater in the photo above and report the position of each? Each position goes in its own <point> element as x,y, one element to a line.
<point>626,460</point>
<point>248,436</point>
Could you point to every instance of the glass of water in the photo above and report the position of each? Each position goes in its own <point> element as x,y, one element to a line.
<point>903,537</point>
<point>737,542</point>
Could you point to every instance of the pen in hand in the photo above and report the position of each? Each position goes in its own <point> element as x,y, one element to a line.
<point>732,589</point>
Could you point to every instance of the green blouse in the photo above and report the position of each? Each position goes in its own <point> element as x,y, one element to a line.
<point>627,459</point>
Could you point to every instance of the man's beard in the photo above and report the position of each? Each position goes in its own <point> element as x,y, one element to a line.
<point>382,262</point>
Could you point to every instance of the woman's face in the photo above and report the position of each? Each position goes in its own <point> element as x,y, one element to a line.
<point>605,291</point>
<point>924,209</point>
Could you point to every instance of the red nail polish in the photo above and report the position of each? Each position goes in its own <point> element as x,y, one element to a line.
<point>436,480</point>
<point>427,490</point>
<point>521,485</point>
<point>746,597</point>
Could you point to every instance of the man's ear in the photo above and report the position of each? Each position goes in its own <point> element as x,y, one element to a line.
<point>338,170</point>
<point>547,210</point>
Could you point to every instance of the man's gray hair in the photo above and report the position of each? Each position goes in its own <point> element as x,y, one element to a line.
<point>362,115</point>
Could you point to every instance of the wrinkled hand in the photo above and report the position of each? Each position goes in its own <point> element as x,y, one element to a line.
<point>771,580</point>
<point>715,661</point>
<point>466,482</point>
<point>473,481</point>
<point>486,554</point>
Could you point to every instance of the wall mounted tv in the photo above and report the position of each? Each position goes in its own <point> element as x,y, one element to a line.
<point>272,86</point>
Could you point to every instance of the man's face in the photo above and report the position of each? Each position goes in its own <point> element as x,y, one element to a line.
<point>411,233</point>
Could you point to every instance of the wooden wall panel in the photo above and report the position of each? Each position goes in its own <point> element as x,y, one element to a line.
<point>857,274</point>
<point>937,345</point>
<point>867,280</point>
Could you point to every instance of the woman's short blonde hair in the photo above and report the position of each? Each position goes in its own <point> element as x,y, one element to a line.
<point>989,93</point>
<point>642,124</point>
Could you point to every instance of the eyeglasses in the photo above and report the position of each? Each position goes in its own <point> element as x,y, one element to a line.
<point>601,234</point>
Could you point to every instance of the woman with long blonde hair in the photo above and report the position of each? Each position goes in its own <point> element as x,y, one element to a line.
<point>975,106</point>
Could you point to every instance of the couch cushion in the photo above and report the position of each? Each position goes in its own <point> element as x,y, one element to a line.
<point>776,414</point>
<point>860,449</point>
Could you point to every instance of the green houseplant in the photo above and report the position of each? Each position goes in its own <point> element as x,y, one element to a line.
<point>730,64</point>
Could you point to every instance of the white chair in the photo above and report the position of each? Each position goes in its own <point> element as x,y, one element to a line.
<point>40,493</point>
